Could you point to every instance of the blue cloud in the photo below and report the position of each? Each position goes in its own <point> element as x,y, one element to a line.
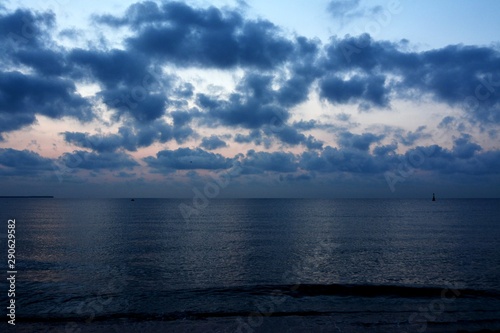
<point>464,148</point>
<point>93,161</point>
<point>213,142</point>
<point>25,29</point>
<point>187,159</point>
<point>129,137</point>
<point>358,141</point>
<point>258,162</point>
<point>462,76</point>
<point>339,8</point>
<point>344,160</point>
<point>187,36</point>
<point>22,96</point>
<point>22,163</point>
<point>369,91</point>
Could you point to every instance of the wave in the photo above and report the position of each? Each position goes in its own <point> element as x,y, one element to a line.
<point>287,290</point>
<point>359,290</point>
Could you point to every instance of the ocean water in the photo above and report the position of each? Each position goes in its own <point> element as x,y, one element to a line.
<point>254,265</point>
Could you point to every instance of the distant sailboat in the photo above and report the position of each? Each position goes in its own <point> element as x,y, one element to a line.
<point>433,197</point>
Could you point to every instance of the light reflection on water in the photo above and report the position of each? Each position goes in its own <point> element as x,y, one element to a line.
<point>144,251</point>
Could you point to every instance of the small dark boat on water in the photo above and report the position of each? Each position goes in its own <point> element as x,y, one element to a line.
<point>433,197</point>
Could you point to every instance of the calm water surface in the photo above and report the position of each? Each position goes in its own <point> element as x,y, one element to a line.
<point>351,265</point>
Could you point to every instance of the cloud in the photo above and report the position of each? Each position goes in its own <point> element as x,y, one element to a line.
<point>132,85</point>
<point>186,36</point>
<point>80,159</point>
<point>464,148</point>
<point>258,162</point>
<point>340,8</point>
<point>22,163</point>
<point>386,150</point>
<point>22,96</point>
<point>257,105</point>
<point>24,28</point>
<point>358,141</point>
<point>256,137</point>
<point>409,138</point>
<point>129,137</point>
<point>187,159</point>
<point>466,77</point>
<point>149,107</point>
<point>351,160</point>
<point>112,68</point>
<point>45,62</point>
<point>368,91</point>
<point>278,73</point>
<point>213,142</point>
<point>344,10</point>
<point>41,88</point>
<point>240,111</point>
<point>290,136</point>
<point>304,177</point>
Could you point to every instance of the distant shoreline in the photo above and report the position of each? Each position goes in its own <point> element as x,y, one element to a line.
<point>26,197</point>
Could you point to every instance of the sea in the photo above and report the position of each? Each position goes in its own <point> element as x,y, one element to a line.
<point>252,265</point>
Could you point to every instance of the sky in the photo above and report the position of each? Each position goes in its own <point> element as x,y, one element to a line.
<point>216,99</point>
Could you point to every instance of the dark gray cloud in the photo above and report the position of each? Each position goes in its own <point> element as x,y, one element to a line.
<point>24,36</point>
<point>279,73</point>
<point>187,159</point>
<point>188,36</point>
<point>349,160</point>
<point>25,28</point>
<point>339,8</point>
<point>132,85</point>
<point>252,106</point>
<point>257,105</point>
<point>130,137</point>
<point>289,135</point>
<point>113,68</point>
<point>258,162</point>
<point>303,177</point>
<point>22,96</point>
<point>149,107</point>
<point>45,62</point>
<point>358,141</point>
<point>467,77</point>
<point>386,150</point>
<point>464,148</point>
<point>409,138</point>
<point>256,137</point>
<point>22,163</point>
<point>80,159</point>
<point>213,142</point>
<point>366,91</point>
<point>346,10</point>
